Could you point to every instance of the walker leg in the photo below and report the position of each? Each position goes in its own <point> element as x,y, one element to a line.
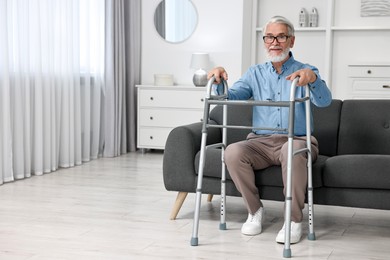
<point>288,199</point>
<point>288,195</point>
<point>194,238</point>
<point>311,235</point>
<point>222,225</point>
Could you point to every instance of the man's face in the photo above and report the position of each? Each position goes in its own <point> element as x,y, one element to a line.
<point>277,50</point>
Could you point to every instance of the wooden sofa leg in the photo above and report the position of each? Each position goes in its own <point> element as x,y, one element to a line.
<point>181,196</point>
<point>209,197</point>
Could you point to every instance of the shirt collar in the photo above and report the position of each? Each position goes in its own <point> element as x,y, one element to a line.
<point>285,65</point>
<point>288,62</point>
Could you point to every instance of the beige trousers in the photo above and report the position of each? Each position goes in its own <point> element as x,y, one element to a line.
<point>261,151</point>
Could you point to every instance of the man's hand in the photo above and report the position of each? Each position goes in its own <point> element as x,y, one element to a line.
<point>306,76</point>
<point>218,72</point>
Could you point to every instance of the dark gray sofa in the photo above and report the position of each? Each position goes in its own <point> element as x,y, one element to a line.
<point>353,168</point>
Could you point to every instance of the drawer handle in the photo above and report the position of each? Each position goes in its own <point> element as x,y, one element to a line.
<point>202,100</point>
<point>151,98</point>
<point>386,86</point>
<point>368,71</point>
<point>151,118</point>
<point>151,137</point>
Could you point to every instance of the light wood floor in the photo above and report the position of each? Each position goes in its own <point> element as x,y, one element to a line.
<point>118,208</point>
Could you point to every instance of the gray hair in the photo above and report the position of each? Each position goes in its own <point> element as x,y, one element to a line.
<point>282,20</point>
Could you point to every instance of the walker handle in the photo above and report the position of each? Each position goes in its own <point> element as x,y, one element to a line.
<point>294,88</point>
<point>209,87</point>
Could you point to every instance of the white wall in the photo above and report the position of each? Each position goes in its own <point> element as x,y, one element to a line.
<point>219,32</point>
<point>224,30</point>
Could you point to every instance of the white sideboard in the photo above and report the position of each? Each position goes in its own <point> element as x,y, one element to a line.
<point>161,108</point>
<point>369,81</point>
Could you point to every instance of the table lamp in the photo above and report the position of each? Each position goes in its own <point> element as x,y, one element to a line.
<point>200,61</point>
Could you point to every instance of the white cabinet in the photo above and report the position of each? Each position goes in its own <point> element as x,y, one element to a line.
<point>161,108</point>
<point>369,80</point>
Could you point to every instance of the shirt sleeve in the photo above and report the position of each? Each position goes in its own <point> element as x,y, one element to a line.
<point>242,88</point>
<point>320,94</point>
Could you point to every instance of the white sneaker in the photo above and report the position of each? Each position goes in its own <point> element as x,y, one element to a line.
<point>295,233</point>
<point>252,226</point>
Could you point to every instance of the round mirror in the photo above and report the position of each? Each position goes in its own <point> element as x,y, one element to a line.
<point>175,20</point>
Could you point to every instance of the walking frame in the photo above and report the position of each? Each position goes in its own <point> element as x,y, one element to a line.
<point>222,100</point>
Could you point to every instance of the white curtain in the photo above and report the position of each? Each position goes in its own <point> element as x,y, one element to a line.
<point>51,85</point>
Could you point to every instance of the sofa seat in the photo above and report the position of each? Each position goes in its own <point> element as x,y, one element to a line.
<point>364,171</point>
<point>271,176</point>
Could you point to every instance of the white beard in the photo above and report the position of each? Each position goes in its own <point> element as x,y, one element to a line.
<point>278,58</point>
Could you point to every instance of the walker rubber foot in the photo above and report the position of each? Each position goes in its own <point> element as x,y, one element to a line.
<point>222,226</point>
<point>194,241</point>
<point>311,236</point>
<point>287,253</point>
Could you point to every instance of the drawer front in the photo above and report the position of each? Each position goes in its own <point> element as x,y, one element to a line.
<point>169,117</point>
<point>363,88</point>
<point>171,98</point>
<point>153,138</point>
<point>369,71</point>
<point>381,85</point>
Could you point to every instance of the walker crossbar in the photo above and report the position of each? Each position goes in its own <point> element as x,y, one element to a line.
<point>222,100</point>
<point>248,127</point>
<point>249,103</point>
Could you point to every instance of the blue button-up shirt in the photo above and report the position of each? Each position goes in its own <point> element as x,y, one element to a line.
<point>262,82</point>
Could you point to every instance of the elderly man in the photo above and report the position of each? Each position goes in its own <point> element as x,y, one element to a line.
<point>264,148</point>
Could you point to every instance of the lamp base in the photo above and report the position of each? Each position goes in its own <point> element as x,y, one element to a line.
<point>200,78</point>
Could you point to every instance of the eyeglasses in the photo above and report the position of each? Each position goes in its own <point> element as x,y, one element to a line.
<point>279,38</point>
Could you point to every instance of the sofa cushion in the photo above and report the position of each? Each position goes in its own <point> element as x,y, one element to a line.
<point>236,115</point>
<point>365,127</point>
<point>369,171</point>
<point>326,126</point>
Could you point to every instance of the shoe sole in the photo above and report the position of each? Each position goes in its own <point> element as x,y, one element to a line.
<point>281,241</point>
<point>251,234</point>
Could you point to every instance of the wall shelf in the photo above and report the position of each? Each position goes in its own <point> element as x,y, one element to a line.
<point>359,28</point>
<point>302,29</point>
<point>336,28</point>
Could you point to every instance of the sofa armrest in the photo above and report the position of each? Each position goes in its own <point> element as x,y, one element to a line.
<point>182,145</point>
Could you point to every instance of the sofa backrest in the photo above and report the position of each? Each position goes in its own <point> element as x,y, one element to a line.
<point>326,124</point>
<point>237,115</point>
<point>364,127</point>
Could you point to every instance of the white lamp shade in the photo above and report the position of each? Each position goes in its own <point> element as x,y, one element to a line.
<point>200,61</point>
